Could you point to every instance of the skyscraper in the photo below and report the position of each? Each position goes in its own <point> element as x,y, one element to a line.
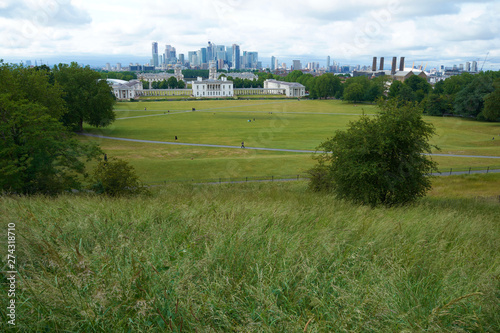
<point>474,67</point>
<point>328,63</point>
<point>154,59</point>
<point>297,65</point>
<point>273,63</point>
<point>236,56</point>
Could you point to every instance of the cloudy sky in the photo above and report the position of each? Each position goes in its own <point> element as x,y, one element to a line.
<point>350,32</point>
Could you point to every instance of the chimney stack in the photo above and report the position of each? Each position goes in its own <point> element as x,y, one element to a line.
<point>381,68</point>
<point>402,64</point>
<point>393,68</point>
<point>374,65</point>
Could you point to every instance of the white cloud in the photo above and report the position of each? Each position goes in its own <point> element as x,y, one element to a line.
<point>352,31</point>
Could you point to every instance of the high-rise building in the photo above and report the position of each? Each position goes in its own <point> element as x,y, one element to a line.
<point>229,56</point>
<point>236,56</point>
<point>297,65</point>
<point>474,67</point>
<point>181,59</point>
<point>169,57</point>
<point>210,52</point>
<point>273,63</point>
<point>253,59</point>
<point>154,50</point>
<point>327,62</point>
<point>118,66</point>
<point>467,66</point>
<point>204,56</point>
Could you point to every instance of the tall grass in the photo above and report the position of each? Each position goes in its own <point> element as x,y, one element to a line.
<point>253,258</point>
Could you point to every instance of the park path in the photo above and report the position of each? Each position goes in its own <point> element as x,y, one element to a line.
<point>253,148</point>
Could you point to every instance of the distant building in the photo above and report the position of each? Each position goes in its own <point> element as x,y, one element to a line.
<point>236,57</point>
<point>154,50</point>
<point>213,88</point>
<point>125,89</point>
<point>474,67</point>
<point>273,63</point>
<point>292,89</point>
<point>297,65</point>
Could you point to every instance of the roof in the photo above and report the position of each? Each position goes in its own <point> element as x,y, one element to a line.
<point>290,84</point>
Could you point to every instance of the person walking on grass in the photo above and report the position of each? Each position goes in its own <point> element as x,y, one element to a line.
<point>242,144</point>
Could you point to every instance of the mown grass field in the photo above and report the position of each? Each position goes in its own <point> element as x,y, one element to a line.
<point>261,257</point>
<point>288,124</point>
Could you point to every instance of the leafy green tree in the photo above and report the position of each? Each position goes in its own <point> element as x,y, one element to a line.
<point>116,177</point>
<point>327,85</point>
<point>378,160</point>
<point>354,92</point>
<point>419,86</point>
<point>469,102</point>
<point>172,82</point>
<point>37,154</point>
<point>492,103</point>
<point>88,99</point>
<point>181,84</point>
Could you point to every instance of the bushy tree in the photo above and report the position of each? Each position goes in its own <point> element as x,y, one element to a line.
<point>354,93</point>
<point>378,160</point>
<point>116,177</point>
<point>37,153</point>
<point>492,103</point>
<point>469,102</point>
<point>87,98</point>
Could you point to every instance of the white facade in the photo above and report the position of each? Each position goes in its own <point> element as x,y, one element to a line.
<point>213,88</point>
<point>292,89</point>
<point>126,89</point>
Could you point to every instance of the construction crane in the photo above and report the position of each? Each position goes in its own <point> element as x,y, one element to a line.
<point>484,61</point>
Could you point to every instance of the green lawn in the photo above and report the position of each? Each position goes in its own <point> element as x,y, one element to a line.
<point>288,124</point>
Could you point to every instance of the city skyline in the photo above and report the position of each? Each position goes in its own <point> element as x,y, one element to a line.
<point>444,33</point>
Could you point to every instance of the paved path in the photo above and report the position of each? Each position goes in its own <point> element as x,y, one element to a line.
<point>253,148</point>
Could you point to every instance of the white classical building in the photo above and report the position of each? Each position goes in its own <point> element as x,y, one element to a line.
<point>126,89</point>
<point>213,88</point>
<point>292,89</point>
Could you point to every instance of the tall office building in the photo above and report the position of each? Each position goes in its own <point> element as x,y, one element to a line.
<point>236,56</point>
<point>297,65</point>
<point>170,55</point>
<point>328,63</point>
<point>229,56</point>
<point>204,56</point>
<point>474,67</point>
<point>273,63</point>
<point>210,52</point>
<point>181,59</point>
<point>154,59</point>
<point>253,59</point>
<point>467,66</point>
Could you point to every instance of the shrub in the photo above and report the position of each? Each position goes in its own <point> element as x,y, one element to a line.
<point>116,177</point>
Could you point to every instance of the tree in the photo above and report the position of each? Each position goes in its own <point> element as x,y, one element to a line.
<point>172,82</point>
<point>88,99</point>
<point>419,86</point>
<point>469,102</point>
<point>354,92</point>
<point>327,85</point>
<point>37,153</point>
<point>379,160</point>
<point>116,177</point>
<point>492,103</point>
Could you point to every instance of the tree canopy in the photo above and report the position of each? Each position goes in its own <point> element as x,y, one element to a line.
<point>37,152</point>
<point>87,98</point>
<point>378,160</point>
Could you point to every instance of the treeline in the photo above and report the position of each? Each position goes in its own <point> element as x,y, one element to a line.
<point>171,83</point>
<point>127,76</point>
<point>39,109</point>
<point>474,96</point>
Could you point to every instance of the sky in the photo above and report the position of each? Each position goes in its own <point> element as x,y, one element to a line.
<point>425,32</point>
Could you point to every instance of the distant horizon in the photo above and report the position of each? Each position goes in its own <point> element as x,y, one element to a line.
<point>100,61</point>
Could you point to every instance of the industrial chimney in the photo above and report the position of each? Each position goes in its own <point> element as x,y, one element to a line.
<point>402,64</point>
<point>393,68</point>
<point>374,65</point>
<point>381,68</point>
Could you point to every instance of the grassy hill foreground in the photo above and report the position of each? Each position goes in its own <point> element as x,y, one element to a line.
<point>252,258</point>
